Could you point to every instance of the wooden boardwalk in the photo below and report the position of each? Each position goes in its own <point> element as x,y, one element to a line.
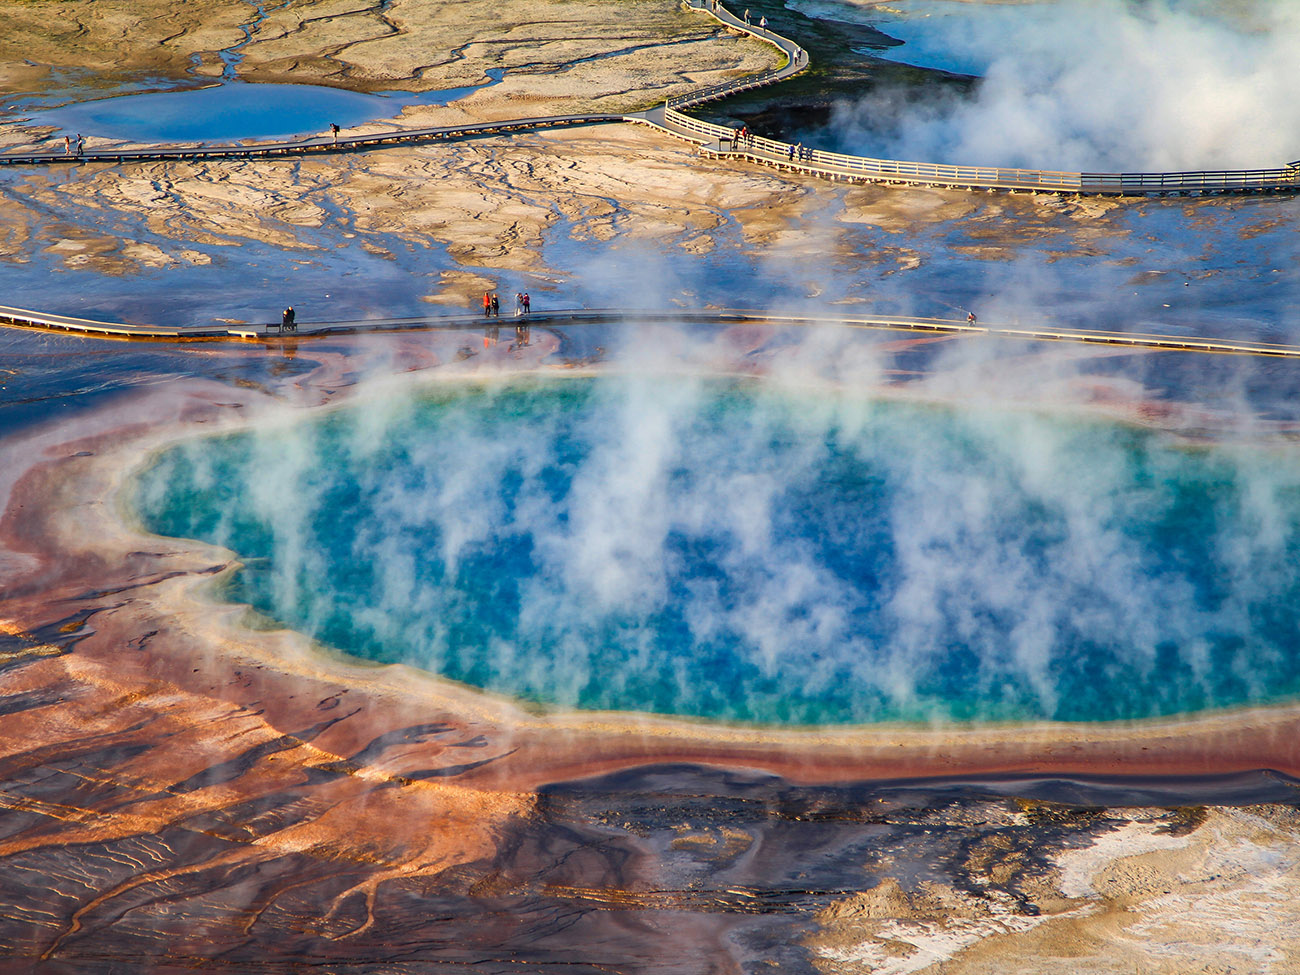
<point>716,318</point>
<point>716,141</point>
<point>306,147</point>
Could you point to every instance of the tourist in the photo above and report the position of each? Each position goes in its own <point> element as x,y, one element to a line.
<point>334,131</point>
<point>746,16</point>
<point>67,145</point>
<point>528,303</point>
<point>81,144</point>
<point>762,23</point>
<point>496,307</point>
<point>791,153</point>
<point>487,304</point>
<point>288,321</point>
<point>970,318</point>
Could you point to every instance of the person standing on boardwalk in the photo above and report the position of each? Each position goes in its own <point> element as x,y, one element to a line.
<point>288,320</point>
<point>746,16</point>
<point>487,304</point>
<point>67,145</point>
<point>528,303</point>
<point>762,23</point>
<point>334,131</point>
<point>496,307</point>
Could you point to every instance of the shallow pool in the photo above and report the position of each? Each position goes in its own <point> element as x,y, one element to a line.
<point>237,110</point>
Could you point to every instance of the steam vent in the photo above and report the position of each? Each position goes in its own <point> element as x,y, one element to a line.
<point>658,488</point>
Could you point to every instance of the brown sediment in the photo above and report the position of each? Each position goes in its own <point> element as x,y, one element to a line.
<point>156,752</point>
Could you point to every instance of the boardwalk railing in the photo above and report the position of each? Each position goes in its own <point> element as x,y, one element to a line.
<point>715,317</point>
<point>310,146</point>
<point>841,166</point>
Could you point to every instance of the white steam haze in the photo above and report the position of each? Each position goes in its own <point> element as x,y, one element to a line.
<point>1100,86</point>
<point>615,531</point>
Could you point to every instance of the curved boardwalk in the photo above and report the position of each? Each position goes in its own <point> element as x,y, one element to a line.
<point>723,317</point>
<point>719,141</point>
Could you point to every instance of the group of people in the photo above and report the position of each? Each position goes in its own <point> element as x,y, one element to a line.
<point>69,149</point>
<point>492,304</point>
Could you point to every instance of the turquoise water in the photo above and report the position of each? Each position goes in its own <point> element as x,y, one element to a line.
<point>728,551</point>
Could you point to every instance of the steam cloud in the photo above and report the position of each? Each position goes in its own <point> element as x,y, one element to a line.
<point>1103,85</point>
<point>659,542</point>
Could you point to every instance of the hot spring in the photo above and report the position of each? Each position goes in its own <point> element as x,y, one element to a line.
<point>737,551</point>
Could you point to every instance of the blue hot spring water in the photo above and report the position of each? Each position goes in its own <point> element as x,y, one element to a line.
<point>732,551</point>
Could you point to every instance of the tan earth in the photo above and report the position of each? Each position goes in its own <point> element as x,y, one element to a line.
<point>581,55</point>
<point>1160,892</point>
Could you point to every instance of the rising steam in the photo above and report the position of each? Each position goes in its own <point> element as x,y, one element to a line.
<point>1101,85</point>
<point>780,551</point>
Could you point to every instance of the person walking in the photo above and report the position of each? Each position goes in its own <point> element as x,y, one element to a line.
<point>487,304</point>
<point>762,24</point>
<point>288,321</point>
<point>496,307</point>
<point>746,16</point>
<point>528,303</point>
<point>970,318</point>
<point>81,144</point>
<point>67,145</point>
<point>334,131</point>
